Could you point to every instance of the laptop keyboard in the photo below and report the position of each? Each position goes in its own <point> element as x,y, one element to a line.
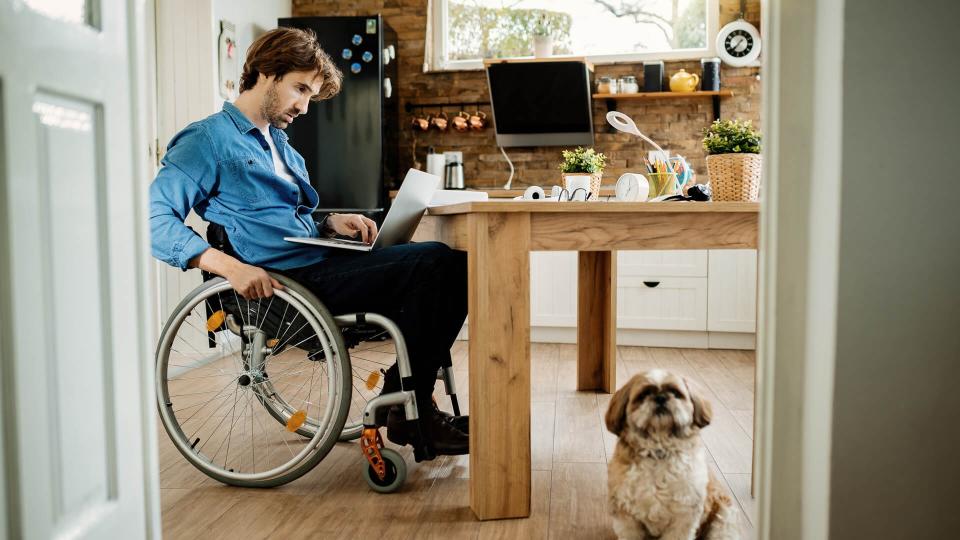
<point>347,241</point>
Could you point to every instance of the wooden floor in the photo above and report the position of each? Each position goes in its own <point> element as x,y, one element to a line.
<point>570,452</point>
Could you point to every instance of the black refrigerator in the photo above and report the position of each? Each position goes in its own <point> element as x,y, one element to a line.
<point>351,142</point>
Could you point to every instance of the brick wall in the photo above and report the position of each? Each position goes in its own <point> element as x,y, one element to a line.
<point>675,124</point>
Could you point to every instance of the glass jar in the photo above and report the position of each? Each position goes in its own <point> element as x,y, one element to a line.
<point>628,85</point>
<point>606,85</point>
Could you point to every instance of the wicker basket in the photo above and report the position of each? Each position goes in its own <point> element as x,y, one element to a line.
<point>734,177</point>
<point>595,186</point>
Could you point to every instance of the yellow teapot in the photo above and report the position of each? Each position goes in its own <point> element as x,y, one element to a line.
<point>682,81</point>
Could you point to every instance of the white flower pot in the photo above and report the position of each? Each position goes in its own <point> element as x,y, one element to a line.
<point>587,183</point>
<point>542,46</point>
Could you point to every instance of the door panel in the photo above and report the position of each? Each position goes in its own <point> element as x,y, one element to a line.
<point>74,313</point>
<point>75,280</point>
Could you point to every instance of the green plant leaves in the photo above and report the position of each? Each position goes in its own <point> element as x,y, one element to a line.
<point>731,137</point>
<point>582,161</point>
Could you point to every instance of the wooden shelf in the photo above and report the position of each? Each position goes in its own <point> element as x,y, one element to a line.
<point>664,95</point>
<point>612,99</point>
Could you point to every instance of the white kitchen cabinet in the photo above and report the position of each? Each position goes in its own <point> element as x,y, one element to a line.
<point>662,303</point>
<point>553,288</point>
<point>679,263</point>
<point>732,301</point>
<point>699,296</point>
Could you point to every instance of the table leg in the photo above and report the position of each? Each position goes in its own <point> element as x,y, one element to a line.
<point>499,304</point>
<point>597,321</point>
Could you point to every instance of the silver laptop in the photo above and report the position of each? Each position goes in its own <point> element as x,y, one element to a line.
<point>402,218</point>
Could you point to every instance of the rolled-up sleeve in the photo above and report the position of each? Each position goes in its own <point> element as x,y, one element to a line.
<point>185,180</point>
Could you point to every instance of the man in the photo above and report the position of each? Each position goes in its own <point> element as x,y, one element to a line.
<point>235,168</point>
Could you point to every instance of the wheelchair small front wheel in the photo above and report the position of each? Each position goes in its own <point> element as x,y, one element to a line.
<point>396,472</point>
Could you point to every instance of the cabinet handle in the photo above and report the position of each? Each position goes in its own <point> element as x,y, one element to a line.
<point>651,284</point>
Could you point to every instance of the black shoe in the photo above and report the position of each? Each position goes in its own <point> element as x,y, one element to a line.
<point>437,432</point>
<point>460,422</point>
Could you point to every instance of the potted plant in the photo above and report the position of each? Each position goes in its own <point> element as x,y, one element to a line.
<point>582,167</point>
<point>542,38</point>
<point>733,160</point>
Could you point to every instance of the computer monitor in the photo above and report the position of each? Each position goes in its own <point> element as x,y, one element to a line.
<point>541,103</point>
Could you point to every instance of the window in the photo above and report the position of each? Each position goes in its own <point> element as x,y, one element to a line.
<point>464,32</point>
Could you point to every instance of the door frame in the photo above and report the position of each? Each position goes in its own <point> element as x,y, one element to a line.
<point>799,265</point>
<point>146,98</point>
<point>175,105</point>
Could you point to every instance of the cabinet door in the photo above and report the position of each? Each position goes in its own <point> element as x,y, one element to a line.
<point>553,288</point>
<point>678,263</point>
<point>732,291</point>
<point>662,303</point>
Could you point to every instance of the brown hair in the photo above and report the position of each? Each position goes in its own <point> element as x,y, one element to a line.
<point>283,50</point>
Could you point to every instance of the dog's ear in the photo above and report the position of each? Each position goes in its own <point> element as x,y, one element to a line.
<point>617,411</point>
<point>702,411</point>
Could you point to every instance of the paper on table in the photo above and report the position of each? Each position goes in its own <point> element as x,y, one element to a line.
<point>443,197</point>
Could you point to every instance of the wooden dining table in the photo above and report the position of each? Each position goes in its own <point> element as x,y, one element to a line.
<point>498,237</point>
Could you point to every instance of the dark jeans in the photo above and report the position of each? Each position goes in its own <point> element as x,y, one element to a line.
<point>422,287</point>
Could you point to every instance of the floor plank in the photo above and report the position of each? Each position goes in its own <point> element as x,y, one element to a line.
<point>746,526</point>
<point>578,502</point>
<point>740,487</point>
<point>542,419</point>
<point>577,435</point>
<point>733,391</point>
<point>744,418</point>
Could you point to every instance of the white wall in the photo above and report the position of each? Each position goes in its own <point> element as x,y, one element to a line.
<point>896,434</point>
<point>187,85</point>
<point>251,18</point>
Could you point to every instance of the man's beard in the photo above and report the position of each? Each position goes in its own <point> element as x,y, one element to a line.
<point>271,110</point>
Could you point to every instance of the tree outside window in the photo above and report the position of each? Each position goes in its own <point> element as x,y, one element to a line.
<point>504,28</point>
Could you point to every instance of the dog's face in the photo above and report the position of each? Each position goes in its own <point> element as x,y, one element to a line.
<point>657,403</point>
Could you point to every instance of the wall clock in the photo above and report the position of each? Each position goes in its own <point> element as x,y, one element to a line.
<point>738,43</point>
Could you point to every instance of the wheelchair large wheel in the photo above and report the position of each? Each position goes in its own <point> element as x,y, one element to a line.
<point>221,405</point>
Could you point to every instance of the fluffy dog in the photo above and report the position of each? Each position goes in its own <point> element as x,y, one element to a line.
<point>659,482</point>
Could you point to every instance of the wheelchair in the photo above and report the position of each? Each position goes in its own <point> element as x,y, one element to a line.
<point>256,393</point>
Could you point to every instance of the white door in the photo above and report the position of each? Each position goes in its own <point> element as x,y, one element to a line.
<point>74,305</point>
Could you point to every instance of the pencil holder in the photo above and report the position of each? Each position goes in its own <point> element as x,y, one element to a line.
<point>664,183</point>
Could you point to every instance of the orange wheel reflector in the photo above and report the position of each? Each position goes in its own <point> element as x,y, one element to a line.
<point>272,342</point>
<point>373,379</point>
<point>215,321</point>
<point>296,420</point>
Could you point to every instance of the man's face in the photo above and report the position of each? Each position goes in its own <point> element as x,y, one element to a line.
<point>289,97</point>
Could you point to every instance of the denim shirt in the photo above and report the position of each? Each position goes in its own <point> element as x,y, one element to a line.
<point>222,168</point>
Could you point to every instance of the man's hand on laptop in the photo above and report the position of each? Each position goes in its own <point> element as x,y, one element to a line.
<point>353,225</point>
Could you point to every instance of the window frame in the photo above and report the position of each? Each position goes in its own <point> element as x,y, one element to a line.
<point>436,53</point>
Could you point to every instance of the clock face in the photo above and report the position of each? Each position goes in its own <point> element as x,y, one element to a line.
<point>738,43</point>
<point>629,188</point>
